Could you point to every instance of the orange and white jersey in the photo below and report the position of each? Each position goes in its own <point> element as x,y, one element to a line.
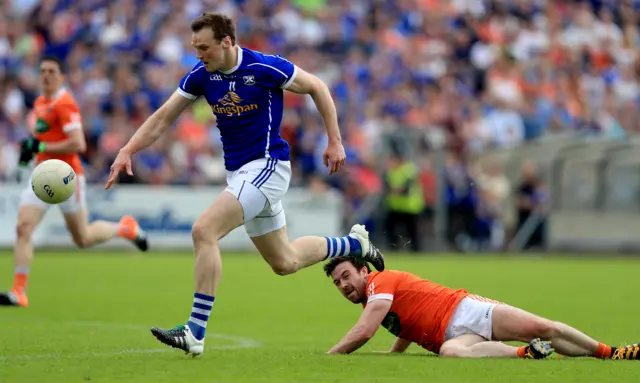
<point>54,118</point>
<point>420,310</point>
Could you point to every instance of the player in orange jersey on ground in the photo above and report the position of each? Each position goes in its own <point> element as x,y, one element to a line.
<point>452,323</point>
<point>58,135</point>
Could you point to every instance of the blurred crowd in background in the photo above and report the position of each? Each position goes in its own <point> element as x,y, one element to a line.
<point>465,76</point>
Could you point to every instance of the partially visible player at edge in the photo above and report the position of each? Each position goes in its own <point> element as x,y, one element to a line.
<point>452,323</point>
<point>245,91</point>
<point>58,135</point>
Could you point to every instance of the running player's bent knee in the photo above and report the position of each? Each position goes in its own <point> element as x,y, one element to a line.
<point>24,230</point>
<point>202,233</point>
<point>81,242</point>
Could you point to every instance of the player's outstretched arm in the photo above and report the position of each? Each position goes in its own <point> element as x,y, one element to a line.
<point>149,132</point>
<point>364,330</point>
<point>157,123</point>
<point>306,83</point>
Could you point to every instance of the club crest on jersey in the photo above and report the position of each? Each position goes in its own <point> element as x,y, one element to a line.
<point>231,105</point>
<point>215,77</point>
<point>249,80</point>
<point>41,125</point>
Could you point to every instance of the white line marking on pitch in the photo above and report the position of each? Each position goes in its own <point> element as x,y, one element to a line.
<point>239,341</point>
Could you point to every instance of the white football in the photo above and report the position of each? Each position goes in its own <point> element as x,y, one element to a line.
<point>53,181</point>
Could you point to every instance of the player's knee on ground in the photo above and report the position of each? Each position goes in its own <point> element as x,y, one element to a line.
<point>454,351</point>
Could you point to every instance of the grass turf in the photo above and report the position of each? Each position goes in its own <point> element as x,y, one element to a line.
<point>90,316</point>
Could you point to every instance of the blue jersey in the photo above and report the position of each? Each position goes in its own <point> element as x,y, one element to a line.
<point>248,103</point>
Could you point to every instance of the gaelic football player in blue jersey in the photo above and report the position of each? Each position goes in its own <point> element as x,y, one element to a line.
<point>245,90</point>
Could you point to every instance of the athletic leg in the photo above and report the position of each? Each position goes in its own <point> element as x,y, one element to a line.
<point>214,224</point>
<point>85,234</point>
<point>269,235</point>
<point>469,334</point>
<point>260,190</point>
<point>224,215</point>
<point>286,258</point>
<point>510,323</point>
<point>29,216</point>
<point>475,346</point>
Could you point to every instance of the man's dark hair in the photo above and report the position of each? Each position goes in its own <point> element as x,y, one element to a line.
<point>357,262</point>
<point>221,25</point>
<point>54,59</point>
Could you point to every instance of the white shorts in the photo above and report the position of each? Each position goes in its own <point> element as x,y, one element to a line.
<point>474,315</point>
<point>260,186</point>
<point>77,200</point>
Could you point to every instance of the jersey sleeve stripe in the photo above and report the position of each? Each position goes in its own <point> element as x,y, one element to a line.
<point>376,297</point>
<point>274,68</point>
<point>71,126</point>
<point>288,82</point>
<point>185,94</point>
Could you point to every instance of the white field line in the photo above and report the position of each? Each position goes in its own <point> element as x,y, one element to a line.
<point>238,342</point>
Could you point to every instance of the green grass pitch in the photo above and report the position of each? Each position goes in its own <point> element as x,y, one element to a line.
<point>91,312</point>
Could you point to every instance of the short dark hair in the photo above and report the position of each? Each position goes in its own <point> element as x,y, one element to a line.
<point>54,59</point>
<point>357,262</point>
<point>221,25</point>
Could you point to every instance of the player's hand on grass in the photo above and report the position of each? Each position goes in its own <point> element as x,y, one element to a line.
<point>121,163</point>
<point>334,156</point>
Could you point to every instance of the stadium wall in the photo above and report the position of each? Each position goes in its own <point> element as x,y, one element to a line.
<point>594,186</point>
<point>167,214</point>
